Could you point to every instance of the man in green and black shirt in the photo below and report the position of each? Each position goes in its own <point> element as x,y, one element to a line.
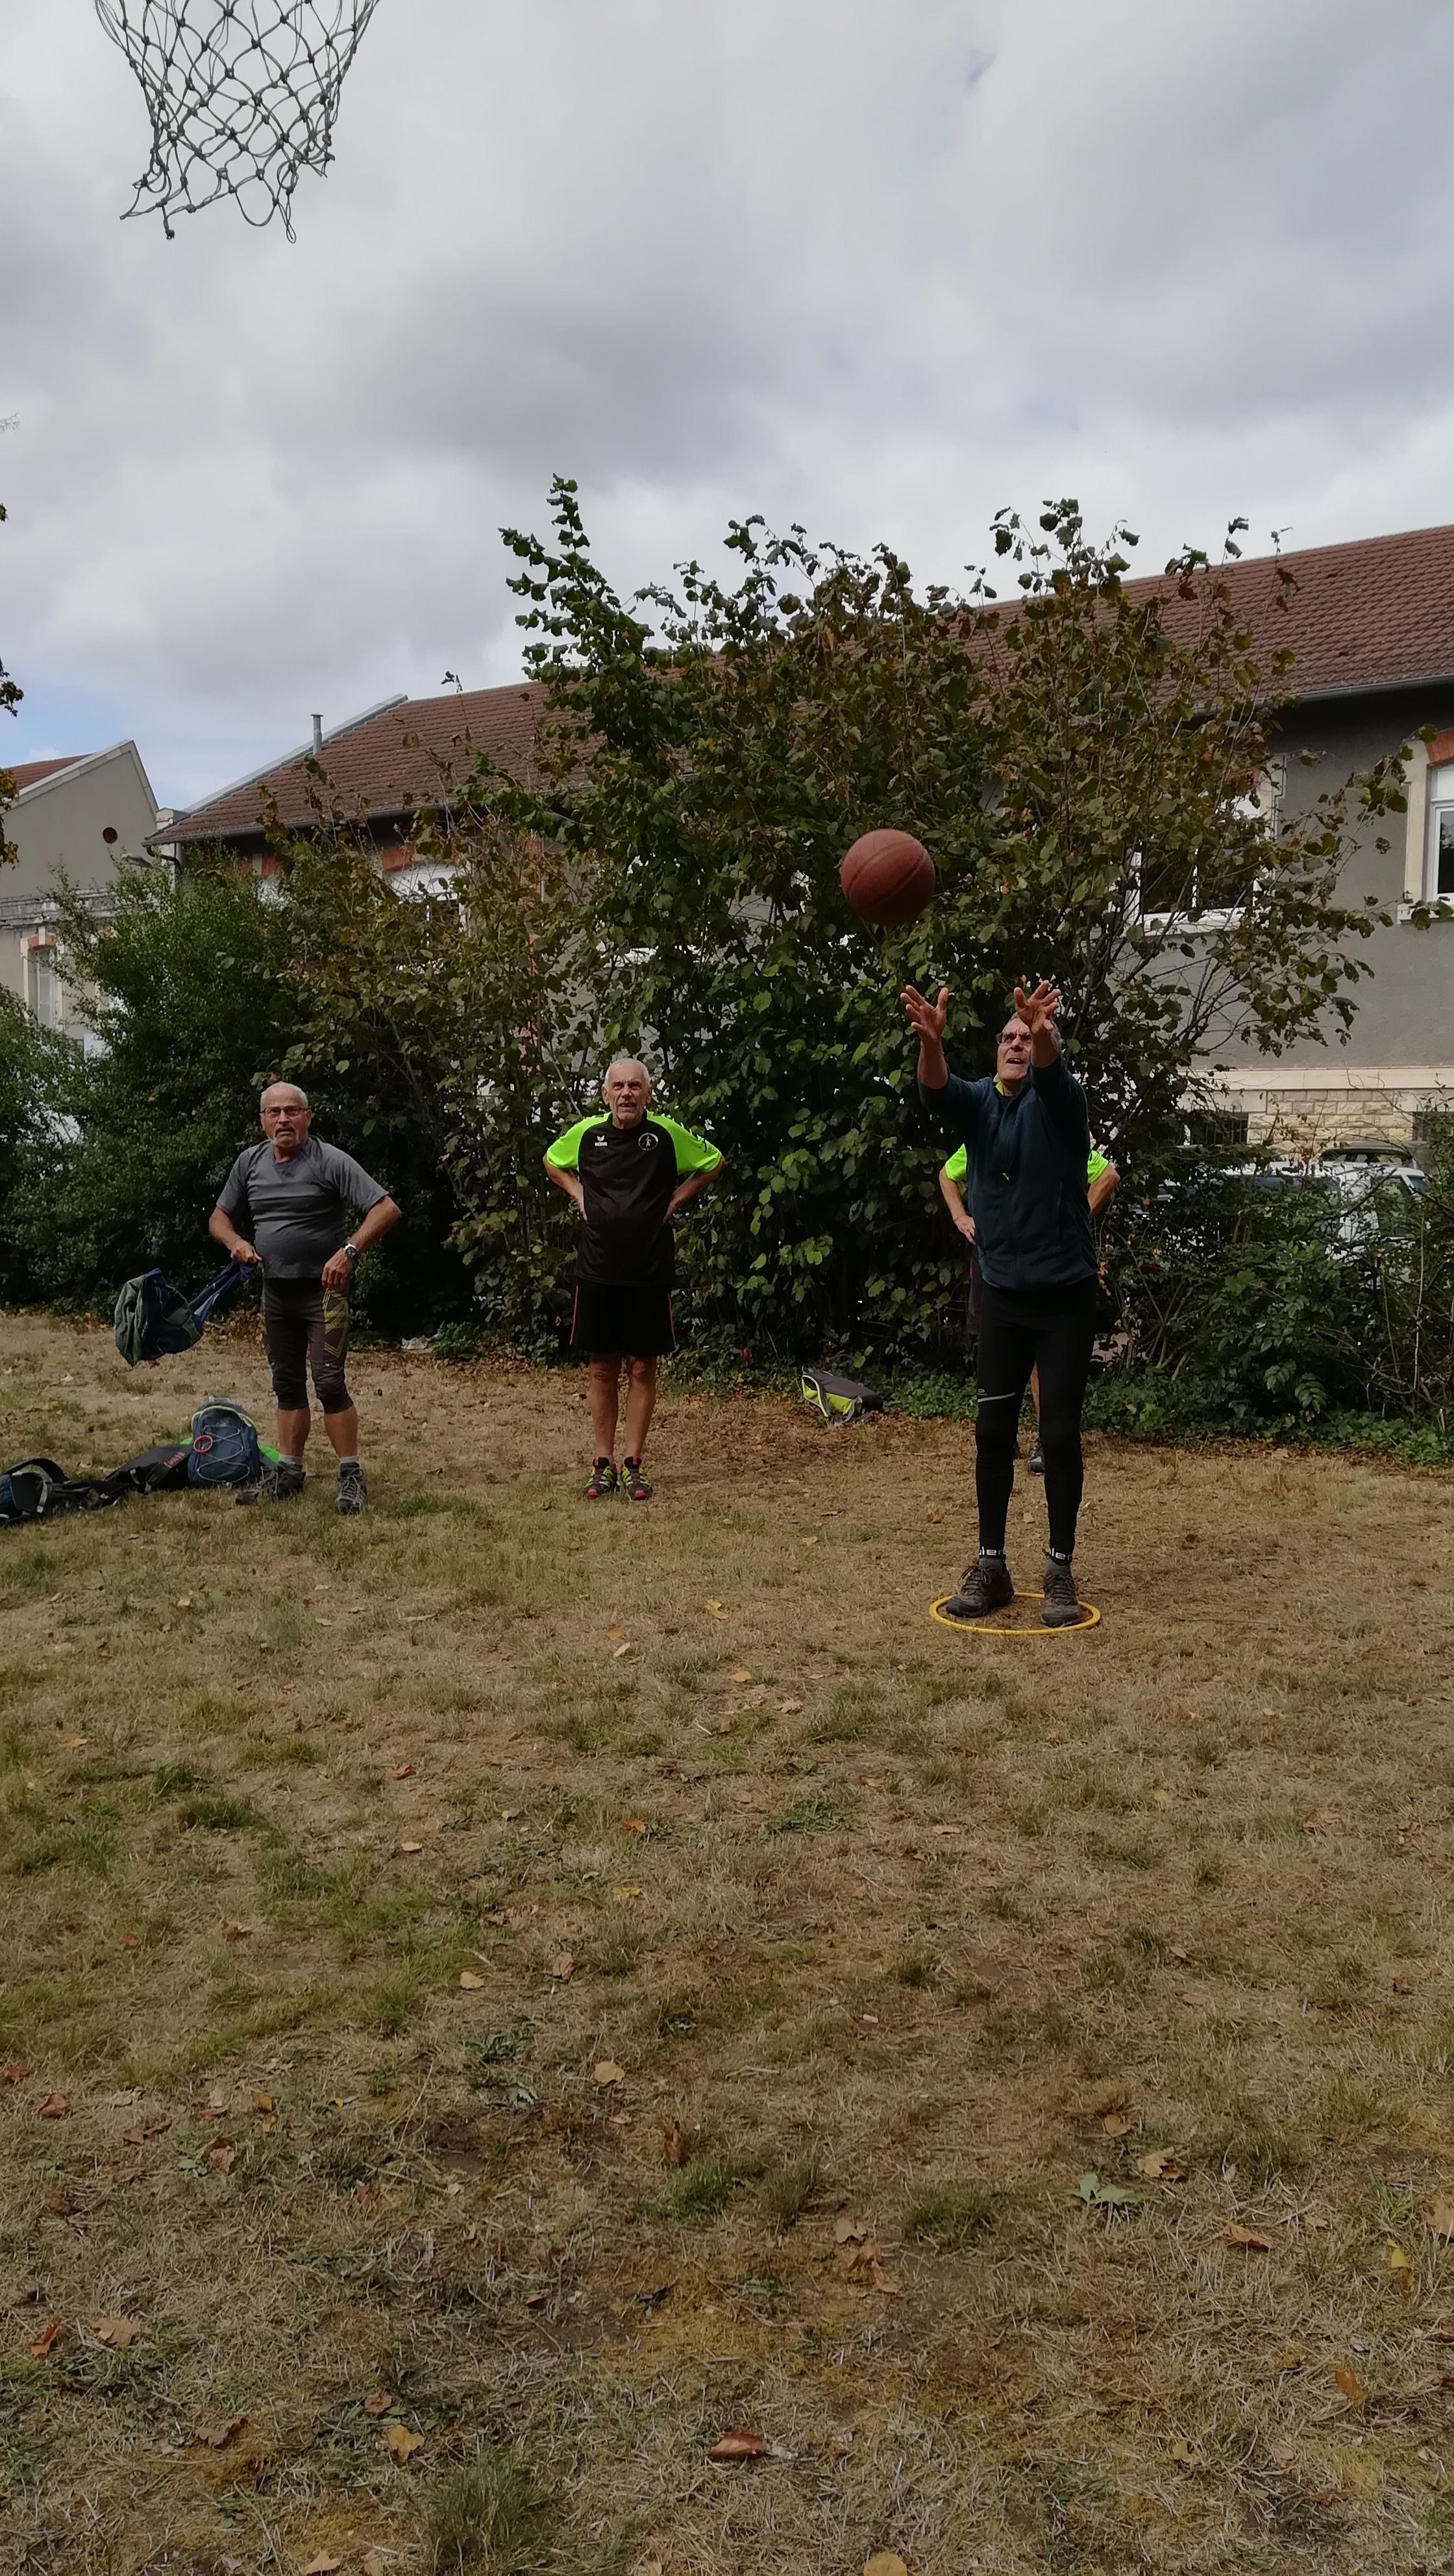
<point>628,1172</point>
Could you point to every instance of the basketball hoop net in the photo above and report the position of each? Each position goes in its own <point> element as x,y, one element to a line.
<point>242,95</point>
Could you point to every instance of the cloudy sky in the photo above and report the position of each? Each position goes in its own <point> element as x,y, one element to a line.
<point>879,265</point>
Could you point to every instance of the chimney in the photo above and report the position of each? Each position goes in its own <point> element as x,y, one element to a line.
<point>318,737</point>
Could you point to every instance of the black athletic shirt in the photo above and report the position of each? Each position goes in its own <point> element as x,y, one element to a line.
<point>627,1176</point>
<point>1027,1152</point>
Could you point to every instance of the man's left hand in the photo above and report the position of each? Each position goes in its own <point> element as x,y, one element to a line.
<point>1037,1009</point>
<point>337,1272</point>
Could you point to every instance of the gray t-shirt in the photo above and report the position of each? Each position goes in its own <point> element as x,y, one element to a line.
<point>297,1212</point>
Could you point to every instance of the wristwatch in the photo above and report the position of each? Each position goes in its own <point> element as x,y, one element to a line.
<point>350,1251</point>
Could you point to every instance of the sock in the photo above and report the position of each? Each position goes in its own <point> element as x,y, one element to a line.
<point>346,1462</point>
<point>285,1461</point>
<point>1060,1555</point>
<point>991,1555</point>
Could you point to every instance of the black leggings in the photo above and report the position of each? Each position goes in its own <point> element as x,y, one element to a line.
<point>1051,1329</point>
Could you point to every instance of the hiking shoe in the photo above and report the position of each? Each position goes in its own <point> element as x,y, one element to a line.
<point>633,1484</point>
<point>352,1493</point>
<point>1061,1606</point>
<point>603,1479</point>
<point>985,1586</point>
<point>278,1483</point>
<point>1035,1463</point>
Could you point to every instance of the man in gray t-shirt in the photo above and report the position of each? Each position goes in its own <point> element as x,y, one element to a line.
<point>292,1196</point>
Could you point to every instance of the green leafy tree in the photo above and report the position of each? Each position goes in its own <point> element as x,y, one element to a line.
<point>1086,769</point>
<point>186,992</point>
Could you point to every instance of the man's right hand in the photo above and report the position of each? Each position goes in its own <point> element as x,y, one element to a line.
<point>926,1018</point>
<point>246,1253</point>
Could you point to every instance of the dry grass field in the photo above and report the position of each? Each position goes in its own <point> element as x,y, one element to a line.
<point>502,1994</point>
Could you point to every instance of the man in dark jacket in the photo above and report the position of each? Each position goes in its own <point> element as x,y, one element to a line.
<point>1027,1137</point>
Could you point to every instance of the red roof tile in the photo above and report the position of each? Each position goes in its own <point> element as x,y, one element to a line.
<point>1363,616</point>
<point>28,773</point>
<point>412,755</point>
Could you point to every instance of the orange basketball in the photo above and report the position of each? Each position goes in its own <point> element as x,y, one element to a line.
<point>888,878</point>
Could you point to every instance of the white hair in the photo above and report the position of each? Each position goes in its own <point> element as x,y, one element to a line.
<point>282,1086</point>
<point>627,1059</point>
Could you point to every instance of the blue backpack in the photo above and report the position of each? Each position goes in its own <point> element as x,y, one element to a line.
<point>224,1447</point>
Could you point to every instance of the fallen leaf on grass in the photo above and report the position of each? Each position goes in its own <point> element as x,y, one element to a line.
<point>850,2231</point>
<point>606,2071</point>
<point>1115,2124</point>
<point>743,1676</point>
<point>885,2562</point>
<point>623,1895</point>
<point>130,1941</point>
<point>116,2332</point>
<point>401,2443</point>
<point>43,2342</point>
<point>59,2203</point>
<point>563,1966</point>
<point>739,2446</point>
<point>1160,2167</point>
<point>404,1771</point>
<point>219,2432</point>
<point>864,2268</point>
<point>1351,2386</point>
<point>1106,2195</point>
<point>633,1824</point>
<point>411,1847</point>
<point>471,1983</point>
<point>1438,2216</point>
<point>1182,1957</point>
<point>1400,2266</point>
<point>184,1601</point>
<point>54,2107</point>
<point>789,1707</point>
<point>1247,2240</point>
<point>671,2146</point>
<point>70,1742</point>
<point>237,1931</point>
<point>325,2564</point>
<point>378,2401</point>
<point>1443,2332</point>
<point>1401,1986</point>
<point>714,1609</point>
<point>612,1634</point>
<point>218,2157</point>
<point>13,2074</point>
<point>1190,2456</point>
<point>262,2101</point>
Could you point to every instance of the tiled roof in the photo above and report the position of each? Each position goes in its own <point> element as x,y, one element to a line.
<point>1362,616</point>
<point>29,773</point>
<point>411,755</point>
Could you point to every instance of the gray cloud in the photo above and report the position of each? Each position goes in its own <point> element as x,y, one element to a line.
<point>877,264</point>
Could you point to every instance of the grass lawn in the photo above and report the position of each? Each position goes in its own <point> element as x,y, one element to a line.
<point>501,1994</point>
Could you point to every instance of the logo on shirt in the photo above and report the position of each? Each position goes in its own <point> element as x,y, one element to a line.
<point>648,1141</point>
<point>599,1140</point>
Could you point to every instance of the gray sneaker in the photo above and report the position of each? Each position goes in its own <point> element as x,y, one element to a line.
<point>278,1483</point>
<point>983,1588</point>
<point>352,1493</point>
<point>1061,1606</point>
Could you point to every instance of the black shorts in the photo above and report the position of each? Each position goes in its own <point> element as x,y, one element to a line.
<point>635,1320</point>
<point>305,1325</point>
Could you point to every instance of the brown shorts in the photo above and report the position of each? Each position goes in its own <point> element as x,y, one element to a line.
<point>305,1325</point>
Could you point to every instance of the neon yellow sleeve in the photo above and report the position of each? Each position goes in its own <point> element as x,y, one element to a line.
<point>1095,1165</point>
<point>957,1167</point>
<point>565,1154</point>
<point>693,1153</point>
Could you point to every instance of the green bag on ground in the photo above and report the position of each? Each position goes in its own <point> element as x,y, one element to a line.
<point>837,1399</point>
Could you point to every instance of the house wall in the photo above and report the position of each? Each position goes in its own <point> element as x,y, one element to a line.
<point>1399,1055</point>
<point>59,826</point>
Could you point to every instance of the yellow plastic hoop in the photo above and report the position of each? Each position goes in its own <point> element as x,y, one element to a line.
<point>982,1627</point>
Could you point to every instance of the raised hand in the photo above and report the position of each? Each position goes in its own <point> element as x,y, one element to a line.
<point>1037,1009</point>
<point>926,1018</point>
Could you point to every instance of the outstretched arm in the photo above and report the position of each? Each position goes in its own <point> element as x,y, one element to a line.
<point>927,1020</point>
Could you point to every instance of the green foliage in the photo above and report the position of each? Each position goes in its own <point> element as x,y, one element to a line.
<point>1085,770</point>
<point>186,993</point>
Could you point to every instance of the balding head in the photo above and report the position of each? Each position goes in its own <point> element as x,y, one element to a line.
<point>626,1090</point>
<point>286,1118</point>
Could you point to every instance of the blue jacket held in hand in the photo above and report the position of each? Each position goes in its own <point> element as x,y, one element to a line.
<point>1027,1155</point>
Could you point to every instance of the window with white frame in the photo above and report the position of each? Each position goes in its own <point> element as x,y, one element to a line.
<point>1439,833</point>
<point>1175,898</point>
<point>44,983</point>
